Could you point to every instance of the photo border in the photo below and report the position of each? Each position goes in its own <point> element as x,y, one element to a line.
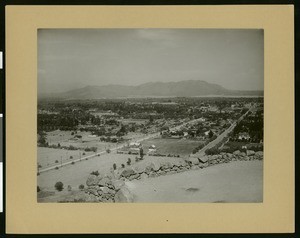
<point>25,215</point>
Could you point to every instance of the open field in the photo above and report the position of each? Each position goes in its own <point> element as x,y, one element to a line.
<point>238,144</point>
<point>77,174</point>
<point>137,121</point>
<point>65,138</point>
<point>232,182</point>
<point>48,156</point>
<point>240,181</point>
<point>180,147</point>
<point>95,142</point>
<point>133,136</point>
<point>58,136</point>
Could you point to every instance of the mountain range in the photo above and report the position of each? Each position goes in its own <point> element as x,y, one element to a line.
<point>187,88</point>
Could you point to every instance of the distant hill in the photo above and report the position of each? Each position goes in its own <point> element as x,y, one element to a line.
<point>188,88</point>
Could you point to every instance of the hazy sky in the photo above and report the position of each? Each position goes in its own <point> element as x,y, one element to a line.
<point>69,59</point>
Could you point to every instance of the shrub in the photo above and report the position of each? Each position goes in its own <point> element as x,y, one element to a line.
<point>114,166</point>
<point>83,153</point>
<point>71,147</point>
<point>38,189</point>
<point>56,161</point>
<point>128,161</point>
<point>59,186</point>
<point>69,188</point>
<point>40,166</point>
<point>56,167</point>
<point>136,159</point>
<point>212,151</point>
<point>123,165</point>
<point>73,162</point>
<point>108,151</point>
<point>81,187</point>
<point>95,173</point>
<point>71,157</point>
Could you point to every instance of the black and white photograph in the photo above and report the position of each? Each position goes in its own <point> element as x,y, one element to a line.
<point>150,115</point>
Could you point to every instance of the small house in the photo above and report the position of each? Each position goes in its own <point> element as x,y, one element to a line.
<point>244,136</point>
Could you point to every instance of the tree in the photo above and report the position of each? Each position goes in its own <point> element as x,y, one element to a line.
<point>81,186</point>
<point>128,161</point>
<point>151,119</point>
<point>59,186</point>
<point>69,188</point>
<point>141,153</point>
<point>210,134</point>
<point>114,166</point>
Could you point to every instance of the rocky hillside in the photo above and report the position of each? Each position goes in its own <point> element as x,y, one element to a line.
<point>112,188</point>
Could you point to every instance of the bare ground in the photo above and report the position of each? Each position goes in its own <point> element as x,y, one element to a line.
<point>240,181</point>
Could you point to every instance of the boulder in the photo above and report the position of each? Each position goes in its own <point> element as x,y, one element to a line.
<point>229,155</point>
<point>214,157</point>
<point>139,169</point>
<point>149,168</point>
<point>176,163</point>
<point>104,181</point>
<point>124,195</point>
<point>243,154</point>
<point>155,165</point>
<point>250,152</point>
<point>237,152</point>
<point>118,184</point>
<point>92,191</point>
<point>259,153</point>
<point>134,176</point>
<point>182,163</point>
<point>166,165</point>
<point>127,172</point>
<point>92,180</point>
<point>105,190</point>
<point>192,160</point>
<point>203,159</point>
<point>91,198</point>
<point>144,176</point>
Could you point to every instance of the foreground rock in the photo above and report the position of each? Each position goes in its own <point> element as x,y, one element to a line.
<point>112,188</point>
<point>123,195</point>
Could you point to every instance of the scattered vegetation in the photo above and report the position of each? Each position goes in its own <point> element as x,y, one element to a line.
<point>81,187</point>
<point>95,173</point>
<point>59,186</point>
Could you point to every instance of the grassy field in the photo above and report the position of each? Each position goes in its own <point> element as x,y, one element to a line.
<point>77,174</point>
<point>65,138</point>
<point>137,121</point>
<point>171,146</point>
<point>55,137</point>
<point>46,156</point>
<point>236,144</point>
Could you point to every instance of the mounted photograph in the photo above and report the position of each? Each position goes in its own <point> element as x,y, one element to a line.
<point>150,115</point>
